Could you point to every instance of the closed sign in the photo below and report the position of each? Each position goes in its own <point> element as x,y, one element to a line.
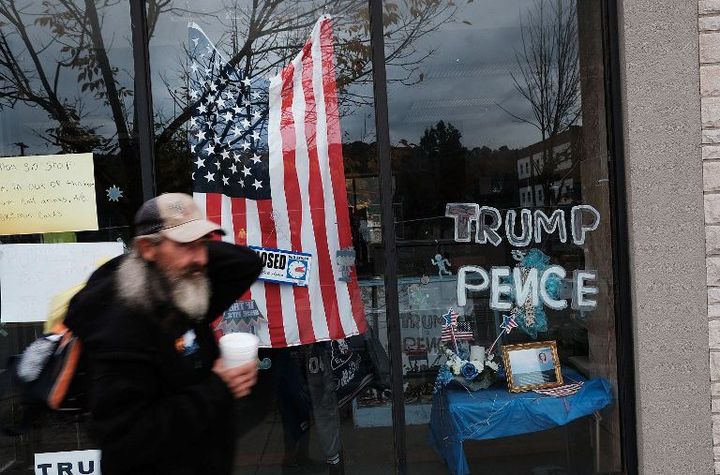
<point>284,267</point>
<point>75,462</point>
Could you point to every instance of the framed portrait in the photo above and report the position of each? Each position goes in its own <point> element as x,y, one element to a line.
<point>532,366</point>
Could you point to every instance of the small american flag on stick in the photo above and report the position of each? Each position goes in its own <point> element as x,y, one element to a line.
<point>454,331</point>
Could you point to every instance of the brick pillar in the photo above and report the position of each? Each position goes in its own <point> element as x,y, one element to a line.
<point>709,32</point>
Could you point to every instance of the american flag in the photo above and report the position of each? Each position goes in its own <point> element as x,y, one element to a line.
<point>268,168</point>
<point>561,391</point>
<point>508,323</point>
<point>452,330</point>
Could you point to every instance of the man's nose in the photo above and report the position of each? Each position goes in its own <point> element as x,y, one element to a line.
<point>200,256</point>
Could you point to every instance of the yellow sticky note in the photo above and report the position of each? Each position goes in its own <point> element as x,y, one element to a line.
<point>47,194</point>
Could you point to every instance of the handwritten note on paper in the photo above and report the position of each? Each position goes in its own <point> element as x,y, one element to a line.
<point>47,193</point>
<point>32,274</point>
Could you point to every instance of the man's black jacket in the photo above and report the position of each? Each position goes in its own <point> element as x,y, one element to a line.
<point>157,407</point>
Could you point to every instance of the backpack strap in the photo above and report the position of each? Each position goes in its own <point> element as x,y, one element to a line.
<point>59,390</point>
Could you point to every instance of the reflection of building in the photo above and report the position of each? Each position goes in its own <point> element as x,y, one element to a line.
<point>547,171</point>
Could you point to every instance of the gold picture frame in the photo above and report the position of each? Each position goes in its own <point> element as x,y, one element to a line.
<point>532,369</point>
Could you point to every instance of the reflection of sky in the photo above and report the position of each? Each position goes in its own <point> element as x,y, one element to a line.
<point>467,78</point>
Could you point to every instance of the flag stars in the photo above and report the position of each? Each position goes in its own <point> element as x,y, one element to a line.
<point>237,131</point>
<point>246,81</point>
<point>245,123</point>
<point>210,177</point>
<point>225,154</point>
<point>201,109</point>
<point>257,184</point>
<point>200,135</point>
<point>246,171</point>
<point>256,115</point>
<point>255,158</point>
<point>200,162</point>
<point>220,102</point>
<point>245,145</point>
<point>210,149</point>
<point>233,168</point>
<point>237,110</point>
<point>226,181</point>
<point>228,116</point>
<point>256,135</point>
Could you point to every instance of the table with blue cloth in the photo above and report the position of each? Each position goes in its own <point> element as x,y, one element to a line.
<point>459,414</point>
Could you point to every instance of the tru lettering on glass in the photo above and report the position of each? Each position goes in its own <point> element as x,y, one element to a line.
<point>484,225</point>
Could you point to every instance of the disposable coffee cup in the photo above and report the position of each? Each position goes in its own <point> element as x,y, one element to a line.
<point>238,348</point>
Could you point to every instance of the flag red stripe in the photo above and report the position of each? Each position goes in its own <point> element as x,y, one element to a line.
<point>317,202</point>
<point>292,196</point>
<point>335,157</point>
<point>213,205</point>
<point>272,291</point>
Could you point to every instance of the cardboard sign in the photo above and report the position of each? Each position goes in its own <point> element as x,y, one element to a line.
<point>75,461</point>
<point>31,274</point>
<point>284,267</point>
<point>47,194</point>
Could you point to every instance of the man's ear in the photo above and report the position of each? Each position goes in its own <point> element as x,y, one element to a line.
<point>146,249</point>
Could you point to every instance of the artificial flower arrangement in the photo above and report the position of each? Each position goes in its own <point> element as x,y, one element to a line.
<point>472,373</point>
<point>476,370</point>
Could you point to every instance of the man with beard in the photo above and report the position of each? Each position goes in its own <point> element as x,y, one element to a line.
<point>161,400</point>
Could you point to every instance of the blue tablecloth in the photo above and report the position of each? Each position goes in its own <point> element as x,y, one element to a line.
<point>458,414</point>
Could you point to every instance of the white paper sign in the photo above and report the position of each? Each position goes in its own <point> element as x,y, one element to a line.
<point>32,274</point>
<point>63,463</point>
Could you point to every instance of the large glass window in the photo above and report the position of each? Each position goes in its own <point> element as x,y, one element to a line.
<point>223,73</point>
<point>500,164</point>
<point>264,111</point>
<point>66,87</point>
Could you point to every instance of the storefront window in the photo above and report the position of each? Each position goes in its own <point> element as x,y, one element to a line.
<point>66,92</point>
<point>500,164</point>
<point>265,112</point>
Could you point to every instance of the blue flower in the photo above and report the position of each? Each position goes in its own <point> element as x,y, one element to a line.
<point>469,371</point>
<point>444,376</point>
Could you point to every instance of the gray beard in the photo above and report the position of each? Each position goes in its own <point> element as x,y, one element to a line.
<point>141,285</point>
<point>191,295</point>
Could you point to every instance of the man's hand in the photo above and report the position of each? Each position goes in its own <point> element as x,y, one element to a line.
<point>239,379</point>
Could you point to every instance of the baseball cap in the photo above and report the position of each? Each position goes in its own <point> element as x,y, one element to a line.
<point>174,215</point>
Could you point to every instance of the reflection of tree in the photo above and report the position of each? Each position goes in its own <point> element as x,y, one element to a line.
<point>549,80</point>
<point>430,174</point>
<point>32,72</point>
<point>274,31</point>
<point>264,34</point>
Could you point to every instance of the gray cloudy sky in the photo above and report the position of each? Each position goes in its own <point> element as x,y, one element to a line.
<point>464,79</point>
